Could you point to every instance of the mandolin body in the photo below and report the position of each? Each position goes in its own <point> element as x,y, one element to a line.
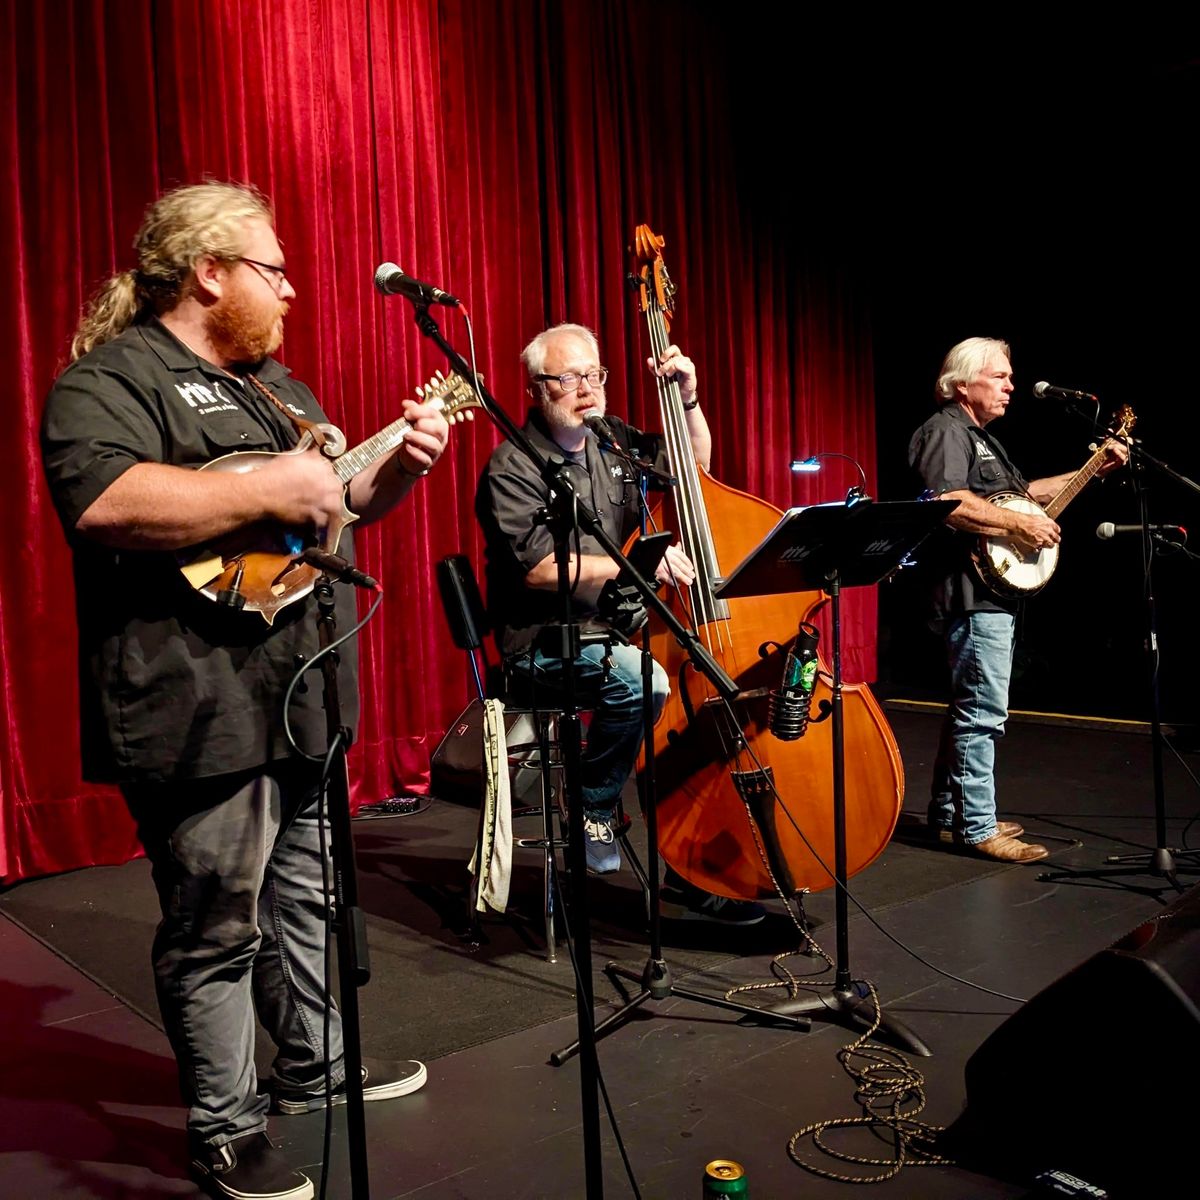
<point>271,578</point>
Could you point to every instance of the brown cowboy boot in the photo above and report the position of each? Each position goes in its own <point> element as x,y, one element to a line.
<point>1008,849</point>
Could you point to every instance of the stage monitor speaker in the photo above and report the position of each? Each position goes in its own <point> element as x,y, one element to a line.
<point>1096,1075</point>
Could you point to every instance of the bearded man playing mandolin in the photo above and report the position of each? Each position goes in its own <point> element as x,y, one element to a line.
<point>957,459</point>
<point>182,696</point>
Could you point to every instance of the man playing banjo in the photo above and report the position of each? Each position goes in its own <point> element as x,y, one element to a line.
<point>958,459</point>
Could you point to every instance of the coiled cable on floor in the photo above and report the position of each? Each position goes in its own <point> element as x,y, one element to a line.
<point>891,1093</point>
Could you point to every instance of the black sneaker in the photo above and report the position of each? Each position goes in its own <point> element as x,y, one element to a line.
<point>381,1081</point>
<point>692,904</point>
<point>249,1168</point>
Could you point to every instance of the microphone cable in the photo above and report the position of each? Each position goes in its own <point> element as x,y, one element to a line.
<point>307,666</point>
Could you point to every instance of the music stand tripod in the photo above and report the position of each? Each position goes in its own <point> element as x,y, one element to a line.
<point>829,547</point>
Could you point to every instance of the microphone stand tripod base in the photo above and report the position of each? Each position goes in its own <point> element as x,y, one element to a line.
<point>1162,860</point>
<point>655,983</point>
<point>851,1007</point>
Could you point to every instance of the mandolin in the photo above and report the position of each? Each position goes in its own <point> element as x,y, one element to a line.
<point>1013,569</point>
<point>258,563</point>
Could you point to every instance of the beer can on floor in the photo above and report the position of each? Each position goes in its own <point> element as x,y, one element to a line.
<point>723,1177</point>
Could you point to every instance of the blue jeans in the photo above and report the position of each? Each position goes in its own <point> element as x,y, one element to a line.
<point>979,647</point>
<point>609,682</point>
<point>236,862</point>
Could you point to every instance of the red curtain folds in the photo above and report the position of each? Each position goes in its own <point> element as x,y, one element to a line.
<point>505,150</point>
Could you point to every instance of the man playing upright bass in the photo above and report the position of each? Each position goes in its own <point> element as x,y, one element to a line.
<point>566,380</point>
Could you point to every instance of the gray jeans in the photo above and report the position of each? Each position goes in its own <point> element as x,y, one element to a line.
<point>236,861</point>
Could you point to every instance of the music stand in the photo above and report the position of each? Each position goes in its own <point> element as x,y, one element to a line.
<point>828,547</point>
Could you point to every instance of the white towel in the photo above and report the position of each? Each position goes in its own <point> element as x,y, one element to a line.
<point>491,864</point>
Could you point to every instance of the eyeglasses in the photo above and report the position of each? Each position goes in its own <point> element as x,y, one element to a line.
<point>570,380</point>
<point>275,274</point>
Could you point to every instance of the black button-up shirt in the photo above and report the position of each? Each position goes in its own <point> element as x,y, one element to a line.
<point>173,685</point>
<point>951,453</point>
<point>510,494</point>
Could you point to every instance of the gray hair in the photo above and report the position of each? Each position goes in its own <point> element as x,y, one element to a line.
<point>534,355</point>
<point>964,361</point>
<point>179,228</point>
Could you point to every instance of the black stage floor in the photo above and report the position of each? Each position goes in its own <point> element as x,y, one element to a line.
<point>89,1108</point>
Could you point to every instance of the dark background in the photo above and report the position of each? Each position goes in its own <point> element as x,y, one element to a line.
<point>1039,190</point>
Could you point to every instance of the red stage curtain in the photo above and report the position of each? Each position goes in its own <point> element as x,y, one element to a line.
<point>504,149</point>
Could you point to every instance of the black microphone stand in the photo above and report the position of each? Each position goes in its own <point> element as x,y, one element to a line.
<point>566,509</point>
<point>655,980</point>
<point>354,966</point>
<point>1162,861</point>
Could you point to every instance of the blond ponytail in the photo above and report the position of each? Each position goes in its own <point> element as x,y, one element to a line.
<point>113,308</point>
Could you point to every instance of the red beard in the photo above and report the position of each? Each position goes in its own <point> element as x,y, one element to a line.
<point>243,330</point>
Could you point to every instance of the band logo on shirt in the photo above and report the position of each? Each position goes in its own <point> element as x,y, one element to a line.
<point>206,398</point>
<point>983,449</point>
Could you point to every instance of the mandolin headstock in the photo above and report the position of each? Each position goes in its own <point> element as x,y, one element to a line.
<point>452,395</point>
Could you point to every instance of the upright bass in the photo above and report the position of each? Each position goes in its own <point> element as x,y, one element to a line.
<point>737,809</point>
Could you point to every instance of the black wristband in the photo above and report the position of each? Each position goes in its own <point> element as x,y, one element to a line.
<point>690,405</point>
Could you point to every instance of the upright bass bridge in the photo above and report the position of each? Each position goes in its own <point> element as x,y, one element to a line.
<point>755,786</point>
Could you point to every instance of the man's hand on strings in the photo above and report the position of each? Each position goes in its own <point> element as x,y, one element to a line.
<point>674,364</point>
<point>1118,455</point>
<point>675,567</point>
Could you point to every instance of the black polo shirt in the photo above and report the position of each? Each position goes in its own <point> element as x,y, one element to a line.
<point>172,685</point>
<point>950,453</point>
<point>510,493</point>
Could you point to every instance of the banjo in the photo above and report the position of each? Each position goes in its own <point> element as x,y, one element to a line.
<point>1013,569</point>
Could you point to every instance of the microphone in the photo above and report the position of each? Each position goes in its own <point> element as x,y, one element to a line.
<point>608,439</point>
<point>788,712</point>
<point>1043,389</point>
<point>392,281</point>
<point>595,421</point>
<point>1107,529</point>
<point>336,566</point>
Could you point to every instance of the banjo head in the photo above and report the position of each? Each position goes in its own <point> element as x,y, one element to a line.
<point>1008,566</point>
